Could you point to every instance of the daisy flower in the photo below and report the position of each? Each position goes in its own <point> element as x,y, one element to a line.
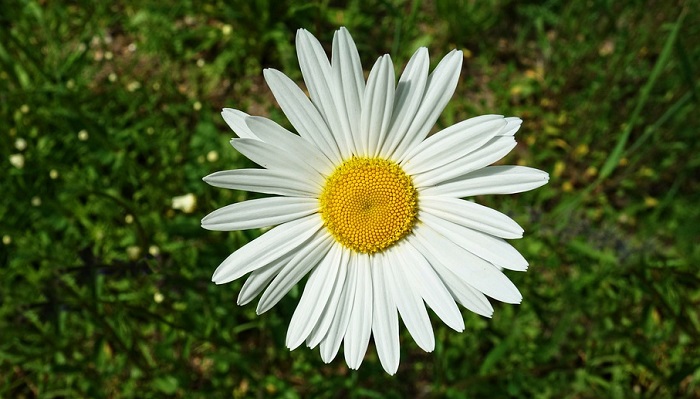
<point>368,205</point>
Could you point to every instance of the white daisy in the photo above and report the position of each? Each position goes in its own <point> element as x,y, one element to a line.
<point>369,206</point>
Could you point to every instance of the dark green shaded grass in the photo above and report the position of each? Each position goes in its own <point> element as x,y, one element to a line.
<point>105,287</point>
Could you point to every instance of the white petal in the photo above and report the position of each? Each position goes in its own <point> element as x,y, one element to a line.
<point>261,212</point>
<point>385,320</point>
<point>272,133</point>
<point>267,248</point>
<point>329,310</point>
<point>512,127</point>
<point>472,215</point>
<point>441,85</point>
<point>263,181</point>
<point>452,143</point>
<point>465,294</point>
<point>409,93</point>
<point>302,113</point>
<point>273,157</point>
<point>236,121</point>
<point>259,279</point>
<point>491,180</point>
<point>377,105</point>
<point>426,282</point>
<point>409,302</point>
<point>316,293</point>
<point>350,83</point>
<point>306,258</point>
<point>316,70</point>
<point>360,325</point>
<point>480,274</point>
<point>491,152</point>
<point>331,343</point>
<point>492,249</point>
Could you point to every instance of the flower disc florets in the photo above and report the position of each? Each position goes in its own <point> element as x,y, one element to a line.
<point>368,204</point>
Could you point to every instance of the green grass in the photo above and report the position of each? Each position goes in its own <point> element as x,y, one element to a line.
<point>113,109</point>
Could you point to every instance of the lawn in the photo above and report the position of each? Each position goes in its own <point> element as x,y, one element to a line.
<point>109,119</point>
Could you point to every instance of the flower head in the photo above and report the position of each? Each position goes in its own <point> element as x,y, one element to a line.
<point>370,207</point>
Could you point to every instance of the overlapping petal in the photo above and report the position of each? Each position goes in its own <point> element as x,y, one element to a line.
<point>302,113</point>
<point>452,143</point>
<point>385,319</point>
<point>274,134</point>
<point>492,249</point>
<point>426,282</point>
<point>377,106</point>
<point>360,323</point>
<point>316,70</point>
<point>350,85</point>
<point>276,243</point>
<point>316,292</point>
<point>465,294</point>
<point>491,180</point>
<point>409,302</point>
<point>235,119</point>
<point>340,319</point>
<point>331,306</point>
<point>264,181</point>
<point>407,99</point>
<point>491,152</point>
<point>261,212</point>
<point>259,279</point>
<point>472,215</point>
<point>273,157</point>
<point>477,272</point>
<point>304,260</point>
<point>441,84</point>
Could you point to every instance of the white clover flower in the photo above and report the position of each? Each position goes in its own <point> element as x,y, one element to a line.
<point>17,160</point>
<point>186,203</point>
<point>20,144</point>
<point>369,206</point>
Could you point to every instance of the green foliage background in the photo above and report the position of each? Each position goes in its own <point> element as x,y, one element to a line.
<point>109,110</point>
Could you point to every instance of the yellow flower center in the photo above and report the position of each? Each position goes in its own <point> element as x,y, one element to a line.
<point>368,204</point>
